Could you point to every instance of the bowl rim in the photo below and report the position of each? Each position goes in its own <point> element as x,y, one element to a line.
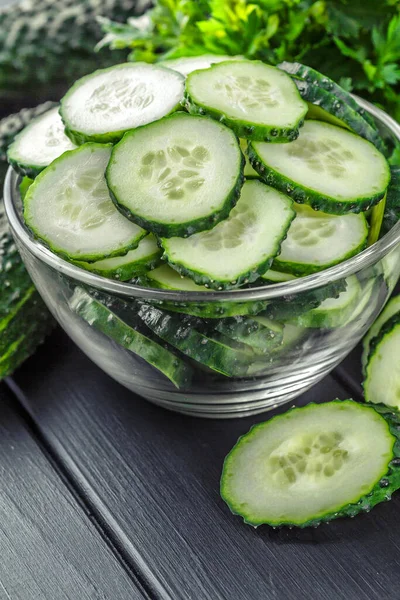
<point>364,259</point>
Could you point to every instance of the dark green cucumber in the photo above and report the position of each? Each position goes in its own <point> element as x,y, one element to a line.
<point>97,315</point>
<point>391,214</point>
<point>314,464</point>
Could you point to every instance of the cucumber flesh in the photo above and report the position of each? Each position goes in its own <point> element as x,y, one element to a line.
<point>177,176</point>
<point>272,276</point>
<point>102,106</point>
<point>187,64</point>
<point>24,187</point>
<point>69,208</point>
<point>311,464</point>
<point>382,381</point>
<point>329,168</point>
<point>168,279</point>
<point>124,268</point>
<point>391,308</point>
<point>239,249</point>
<point>316,241</point>
<point>97,315</point>
<point>41,142</point>
<point>256,100</point>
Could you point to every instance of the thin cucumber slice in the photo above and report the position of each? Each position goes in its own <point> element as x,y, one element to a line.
<point>69,208</point>
<point>101,106</point>
<point>333,312</point>
<point>392,308</point>
<point>248,172</point>
<point>391,268</point>
<point>185,333</point>
<point>103,319</point>
<point>382,381</point>
<point>391,213</point>
<point>313,464</point>
<point>187,64</point>
<point>180,175</point>
<point>332,110</point>
<point>239,249</point>
<point>261,334</point>
<point>41,142</point>
<point>24,187</point>
<point>329,168</point>
<point>167,278</point>
<point>135,262</point>
<point>256,100</point>
<point>313,77</point>
<point>376,220</point>
<point>316,241</point>
<point>272,276</point>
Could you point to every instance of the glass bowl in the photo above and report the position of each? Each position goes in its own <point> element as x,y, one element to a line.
<point>283,369</point>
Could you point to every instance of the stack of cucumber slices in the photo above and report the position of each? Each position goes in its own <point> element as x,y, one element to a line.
<point>207,173</point>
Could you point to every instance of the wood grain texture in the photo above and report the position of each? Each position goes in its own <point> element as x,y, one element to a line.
<point>152,480</point>
<point>49,548</point>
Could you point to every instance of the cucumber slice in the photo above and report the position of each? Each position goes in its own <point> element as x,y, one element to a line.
<point>187,64</point>
<point>69,208</point>
<point>316,241</point>
<point>101,106</point>
<point>41,142</point>
<point>391,309</point>
<point>313,464</point>
<point>24,187</point>
<point>382,381</point>
<point>185,333</point>
<point>137,261</point>
<point>272,276</point>
<point>103,319</point>
<point>239,249</point>
<point>329,168</point>
<point>326,106</point>
<point>313,77</point>
<point>391,268</point>
<point>260,333</point>
<point>256,100</point>
<point>180,175</point>
<point>249,172</point>
<point>333,312</point>
<point>391,213</point>
<point>167,278</point>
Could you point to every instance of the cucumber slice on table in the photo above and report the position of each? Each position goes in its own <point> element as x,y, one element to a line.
<point>41,142</point>
<point>313,77</point>
<point>328,167</point>
<point>333,312</point>
<point>187,64</point>
<point>139,260</point>
<point>392,308</point>
<point>101,106</point>
<point>103,319</point>
<point>391,214</point>
<point>316,241</point>
<point>382,381</point>
<point>239,249</point>
<point>69,208</point>
<point>313,464</point>
<point>177,176</point>
<point>256,100</point>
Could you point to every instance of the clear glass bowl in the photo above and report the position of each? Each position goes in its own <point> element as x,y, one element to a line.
<point>287,370</point>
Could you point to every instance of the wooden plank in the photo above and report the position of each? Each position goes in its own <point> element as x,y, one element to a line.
<point>152,478</point>
<point>49,548</point>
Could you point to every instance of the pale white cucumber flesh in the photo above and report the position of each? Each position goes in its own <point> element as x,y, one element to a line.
<point>239,249</point>
<point>391,308</point>
<point>307,464</point>
<point>101,106</point>
<point>335,169</point>
<point>382,383</point>
<point>132,263</point>
<point>187,64</point>
<point>251,96</point>
<point>167,278</point>
<point>70,209</point>
<point>41,142</point>
<point>317,240</point>
<point>273,276</point>
<point>177,176</point>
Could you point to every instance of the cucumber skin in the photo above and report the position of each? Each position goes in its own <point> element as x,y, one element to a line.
<point>59,251</point>
<point>304,195</point>
<point>189,227</point>
<point>31,171</point>
<point>125,272</point>
<point>341,110</point>
<point>248,331</point>
<point>328,319</point>
<point>302,269</point>
<point>391,214</point>
<point>313,77</point>
<point>79,138</point>
<point>379,493</point>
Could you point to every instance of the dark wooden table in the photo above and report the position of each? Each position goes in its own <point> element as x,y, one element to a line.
<point>104,496</point>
